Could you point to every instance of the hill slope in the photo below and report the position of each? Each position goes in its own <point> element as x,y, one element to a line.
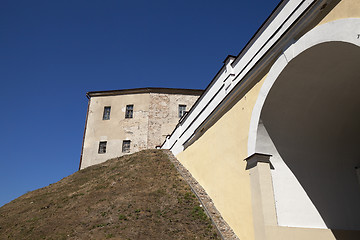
<point>139,196</point>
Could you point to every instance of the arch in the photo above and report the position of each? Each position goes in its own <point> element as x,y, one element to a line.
<point>344,30</point>
<point>319,43</point>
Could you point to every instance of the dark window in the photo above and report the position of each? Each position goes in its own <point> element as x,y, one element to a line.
<point>102,147</point>
<point>106,115</point>
<point>182,110</point>
<point>129,111</point>
<point>126,146</point>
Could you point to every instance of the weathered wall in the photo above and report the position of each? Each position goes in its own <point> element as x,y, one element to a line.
<point>163,115</point>
<point>117,129</point>
<point>155,116</point>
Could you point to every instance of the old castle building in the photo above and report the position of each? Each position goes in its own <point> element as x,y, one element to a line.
<point>126,121</point>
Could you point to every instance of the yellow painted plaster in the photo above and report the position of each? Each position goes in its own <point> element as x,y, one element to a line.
<point>344,9</point>
<point>216,160</point>
<point>285,233</point>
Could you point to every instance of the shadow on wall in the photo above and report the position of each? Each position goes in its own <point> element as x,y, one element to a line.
<point>346,235</point>
<point>312,116</point>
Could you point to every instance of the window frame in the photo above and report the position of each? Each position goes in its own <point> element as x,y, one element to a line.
<point>106,113</point>
<point>181,110</point>
<point>102,147</point>
<point>129,111</point>
<point>126,146</point>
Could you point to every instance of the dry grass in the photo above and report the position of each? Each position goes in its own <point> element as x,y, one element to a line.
<point>139,196</point>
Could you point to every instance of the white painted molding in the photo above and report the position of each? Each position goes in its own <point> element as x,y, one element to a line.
<point>285,23</point>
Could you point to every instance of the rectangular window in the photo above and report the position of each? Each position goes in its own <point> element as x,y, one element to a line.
<point>102,147</point>
<point>106,115</point>
<point>126,146</point>
<point>182,110</point>
<point>129,111</point>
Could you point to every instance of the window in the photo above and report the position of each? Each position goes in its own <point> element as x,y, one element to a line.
<point>126,146</point>
<point>106,115</point>
<point>102,147</point>
<point>129,111</point>
<point>182,110</point>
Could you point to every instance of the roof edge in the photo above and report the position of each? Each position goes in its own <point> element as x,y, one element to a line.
<point>145,90</point>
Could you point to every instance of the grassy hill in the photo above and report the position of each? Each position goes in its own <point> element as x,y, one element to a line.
<point>139,196</point>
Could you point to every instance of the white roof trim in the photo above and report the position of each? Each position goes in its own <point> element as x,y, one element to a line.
<point>276,35</point>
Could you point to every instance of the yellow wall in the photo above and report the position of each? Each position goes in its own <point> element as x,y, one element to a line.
<point>344,9</point>
<point>216,160</point>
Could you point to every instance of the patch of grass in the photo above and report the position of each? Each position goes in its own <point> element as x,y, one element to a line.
<point>110,235</point>
<point>123,217</point>
<point>34,219</point>
<point>198,212</point>
<point>77,195</point>
<point>159,213</point>
<point>188,196</point>
<point>100,186</point>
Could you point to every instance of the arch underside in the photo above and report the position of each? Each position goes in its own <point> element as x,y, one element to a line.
<point>310,123</point>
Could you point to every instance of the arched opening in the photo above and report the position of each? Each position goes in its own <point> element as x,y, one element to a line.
<point>310,123</point>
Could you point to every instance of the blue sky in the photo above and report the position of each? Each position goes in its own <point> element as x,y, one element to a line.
<point>53,52</point>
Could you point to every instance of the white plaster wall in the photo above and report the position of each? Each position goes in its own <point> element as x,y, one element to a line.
<point>293,206</point>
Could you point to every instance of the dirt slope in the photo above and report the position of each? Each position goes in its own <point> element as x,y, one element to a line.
<point>139,196</point>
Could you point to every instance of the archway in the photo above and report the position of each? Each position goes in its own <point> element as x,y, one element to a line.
<point>309,121</point>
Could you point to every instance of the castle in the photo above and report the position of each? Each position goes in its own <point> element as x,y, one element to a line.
<point>274,137</point>
<point>125,121</point>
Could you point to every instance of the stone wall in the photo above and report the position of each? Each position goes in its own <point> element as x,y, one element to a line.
<point>155,115</point>
<point>164,115</point>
